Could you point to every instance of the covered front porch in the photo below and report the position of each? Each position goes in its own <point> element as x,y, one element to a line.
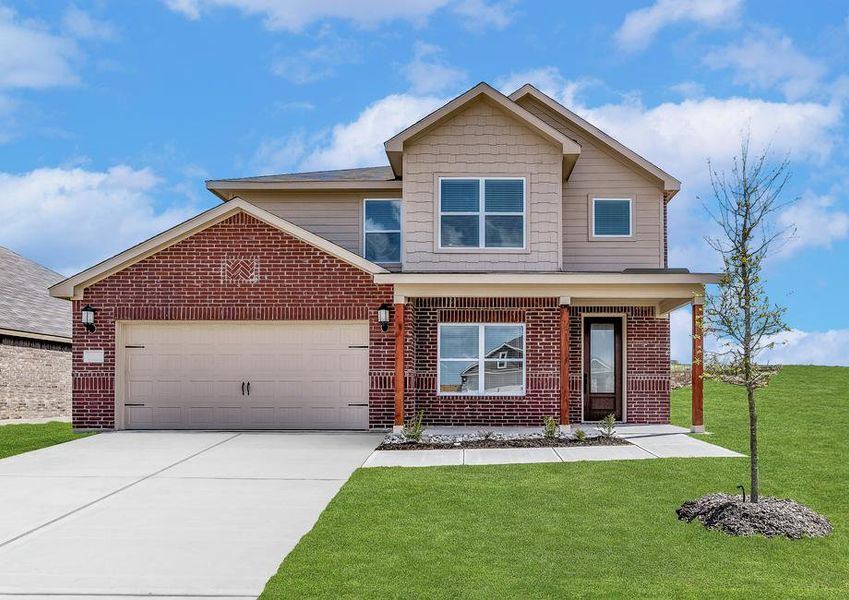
<point>565,321</point>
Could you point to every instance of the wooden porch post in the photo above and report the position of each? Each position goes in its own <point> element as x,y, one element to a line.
<point>564,362</point>
<point>697,370</point>
<point>399,364</point>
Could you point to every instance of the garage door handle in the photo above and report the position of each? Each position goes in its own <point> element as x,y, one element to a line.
<point>357,403</point>
<point>243,388</point>
<point>249,388</point>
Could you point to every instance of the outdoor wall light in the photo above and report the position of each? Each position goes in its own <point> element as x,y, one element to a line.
<point>383,316</point>
<point>87,318</point>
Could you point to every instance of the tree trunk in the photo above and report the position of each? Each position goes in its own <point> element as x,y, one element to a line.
<point>753,444</point>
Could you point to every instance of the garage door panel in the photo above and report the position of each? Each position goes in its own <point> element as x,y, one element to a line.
<point>302,374</point>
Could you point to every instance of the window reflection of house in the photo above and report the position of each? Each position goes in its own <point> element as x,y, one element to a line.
<point>601,376</point>
<point>503,370</point>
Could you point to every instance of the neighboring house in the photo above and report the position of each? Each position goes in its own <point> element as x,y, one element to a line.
<point>349,299</point>
<point>35,342</point>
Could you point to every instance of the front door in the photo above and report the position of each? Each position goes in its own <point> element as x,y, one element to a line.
<point>602,368</point>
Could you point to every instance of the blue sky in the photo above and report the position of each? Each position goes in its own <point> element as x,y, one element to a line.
<point>113,113</point>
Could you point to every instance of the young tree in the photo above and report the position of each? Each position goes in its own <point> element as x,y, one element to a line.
<point>740,314</point>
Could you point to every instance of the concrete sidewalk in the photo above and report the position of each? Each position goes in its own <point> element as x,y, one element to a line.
<point>648,442</point>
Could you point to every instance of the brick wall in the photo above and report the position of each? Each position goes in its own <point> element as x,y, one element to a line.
<point>647,349</point>
<point>35,379</point>
<point>647,382</point>
<point>284,279</point>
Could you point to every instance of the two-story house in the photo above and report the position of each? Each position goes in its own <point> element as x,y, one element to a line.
<point>509,264</point>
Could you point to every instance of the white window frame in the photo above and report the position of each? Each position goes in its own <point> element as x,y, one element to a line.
<point>630,202</point>
<point>398,231</point>
<point>482,213</point>
<point>481,360</point>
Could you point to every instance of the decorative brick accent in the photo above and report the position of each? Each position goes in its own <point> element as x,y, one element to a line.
<point>35,378</point>
<point>184,282</point>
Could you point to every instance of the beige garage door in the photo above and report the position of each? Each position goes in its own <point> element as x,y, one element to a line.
<point>255,375</point>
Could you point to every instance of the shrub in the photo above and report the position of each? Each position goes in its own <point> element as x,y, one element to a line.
<point>549,428</point>
<point>580,435</point>
<point>607,426</point>
<point>413,428</point>
<point>485,434</point>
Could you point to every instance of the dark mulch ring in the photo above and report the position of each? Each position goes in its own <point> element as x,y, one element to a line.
<point>770,517</point>
<point>509,443</point>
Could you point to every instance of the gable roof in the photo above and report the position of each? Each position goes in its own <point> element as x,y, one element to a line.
<point>395,145</point>
<point>72,288</point>
<point>26,308</point>
<point>671,185</point>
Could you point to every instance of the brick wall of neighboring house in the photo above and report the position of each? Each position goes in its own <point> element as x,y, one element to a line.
<point>35,378</point>
<point>187,281</point>
<point>647,348</point>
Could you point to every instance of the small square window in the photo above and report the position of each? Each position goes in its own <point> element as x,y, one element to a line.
<point>611,217</point>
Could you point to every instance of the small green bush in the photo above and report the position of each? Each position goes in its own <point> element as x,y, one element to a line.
<point>607,426</point>
<point>549,428</point>
<point>413,428</point>
<point>580,435</point>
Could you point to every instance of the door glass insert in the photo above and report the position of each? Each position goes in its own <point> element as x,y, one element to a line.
<point>602,362</point>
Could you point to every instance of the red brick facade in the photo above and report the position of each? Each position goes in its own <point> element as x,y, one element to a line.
<point>187,281</point>
<point>283,278</point>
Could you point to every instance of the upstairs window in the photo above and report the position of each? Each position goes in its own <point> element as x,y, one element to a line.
<point>382,231</point>
<point>481,212</point>
<point>611,217</point>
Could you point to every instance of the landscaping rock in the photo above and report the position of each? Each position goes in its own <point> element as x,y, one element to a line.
<point>769,517</point>
<point>488,439</point>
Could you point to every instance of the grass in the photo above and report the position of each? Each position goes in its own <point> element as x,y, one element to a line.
<point>595,529</point>
<point>17,439</point>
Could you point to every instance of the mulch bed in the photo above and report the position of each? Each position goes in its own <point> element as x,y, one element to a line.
<point>514,443</point>
<point>770,517</point>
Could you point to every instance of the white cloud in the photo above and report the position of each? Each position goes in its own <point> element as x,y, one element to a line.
<point>360,142</point>
<point>81,24</point>
<point>688,89</point>
<point>641,26</point>
<point>295,15</point>
<point>767,58</point>
<point>428,73</point>
<point>549,81</point>
<point>481,15</point>
<point>794,347</point>
<point>55,214</point>
<point>31,56</point>
<point>818,224</point>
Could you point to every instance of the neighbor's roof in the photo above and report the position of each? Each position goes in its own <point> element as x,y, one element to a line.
<point>25,304</point>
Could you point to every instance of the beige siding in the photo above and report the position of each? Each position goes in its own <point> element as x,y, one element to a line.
<point>335,216</point>
<point>599,173</point>
<point>479,141</point>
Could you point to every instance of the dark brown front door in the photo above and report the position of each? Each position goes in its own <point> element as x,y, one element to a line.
<point>602,368</point>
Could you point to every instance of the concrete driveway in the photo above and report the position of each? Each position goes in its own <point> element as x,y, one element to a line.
<point>165,514</point>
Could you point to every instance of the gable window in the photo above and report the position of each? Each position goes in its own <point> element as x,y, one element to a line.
<point>481,359</point>
<point>612,217</point>
<point>382,231</point>
<point>481,212</point>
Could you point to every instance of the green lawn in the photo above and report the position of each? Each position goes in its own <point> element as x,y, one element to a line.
<point>17,439</point>
<point>594,529</point>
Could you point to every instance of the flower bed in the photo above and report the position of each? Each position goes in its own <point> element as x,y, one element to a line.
<point>495,440</point>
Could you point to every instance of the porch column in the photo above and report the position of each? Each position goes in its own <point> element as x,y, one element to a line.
<point>565,302</point>
<point>697,369</point>
<point>400,303</point>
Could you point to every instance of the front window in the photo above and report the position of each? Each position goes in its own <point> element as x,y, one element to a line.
<point>481,212</point>
<point>611,217</point>
<point>482,359</point>
<point>382,231</point>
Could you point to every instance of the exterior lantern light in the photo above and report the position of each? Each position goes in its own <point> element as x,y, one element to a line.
<point>383,316</point>
<point>87,318</point>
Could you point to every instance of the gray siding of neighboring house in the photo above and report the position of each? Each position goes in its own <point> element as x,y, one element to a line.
<point>35,379</point>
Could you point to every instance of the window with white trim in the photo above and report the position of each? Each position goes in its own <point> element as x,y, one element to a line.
<point>481,359</point>
<point>612,217</point>
<point>482,212</point>
<point>382,231</point>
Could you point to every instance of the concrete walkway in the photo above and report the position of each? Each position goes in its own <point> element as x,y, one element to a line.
<point>649,442</point>
<point>165,514</point>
